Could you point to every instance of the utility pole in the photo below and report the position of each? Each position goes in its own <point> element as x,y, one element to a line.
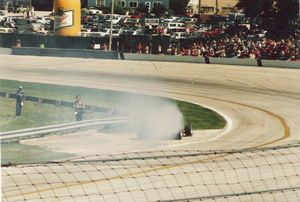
<point>199,6</point>
<point>299,9</point>
<point>217,6</point>
<point>111,24</point>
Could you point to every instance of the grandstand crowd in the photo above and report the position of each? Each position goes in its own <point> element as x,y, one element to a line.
<point>241,45</point>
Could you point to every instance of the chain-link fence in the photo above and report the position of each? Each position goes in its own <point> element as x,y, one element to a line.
<point>268,174</point>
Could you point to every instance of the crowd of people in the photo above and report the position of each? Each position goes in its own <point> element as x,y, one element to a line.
<point>240,45</point>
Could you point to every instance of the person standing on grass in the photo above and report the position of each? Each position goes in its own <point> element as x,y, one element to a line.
<point>79,108</point>
<point>19,101</point>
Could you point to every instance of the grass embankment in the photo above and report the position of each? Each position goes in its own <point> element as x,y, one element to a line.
<point>35,114</point>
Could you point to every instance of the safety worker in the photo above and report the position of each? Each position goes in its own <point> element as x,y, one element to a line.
<point>79,108</point>
<point>19,100</point>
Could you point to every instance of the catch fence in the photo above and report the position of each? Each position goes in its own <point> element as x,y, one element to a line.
<point>265,174</point>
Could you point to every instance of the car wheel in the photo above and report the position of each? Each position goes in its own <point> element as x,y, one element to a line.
<point>179,135</point>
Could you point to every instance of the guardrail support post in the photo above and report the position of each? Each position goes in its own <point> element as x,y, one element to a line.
<point>57,103</point>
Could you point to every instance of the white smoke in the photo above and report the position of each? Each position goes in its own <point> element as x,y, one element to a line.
<point>154,118</point>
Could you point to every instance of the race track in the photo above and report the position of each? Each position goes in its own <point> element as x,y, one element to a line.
<point>261,106</point>
<point>261,102</point>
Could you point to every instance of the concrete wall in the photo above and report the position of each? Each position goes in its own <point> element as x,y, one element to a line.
<point>79,53</point>
<point>166,58</point>
<point>281,64</point>
<point>226,61</point>
<point>233,61</point>
<point>8,40</point>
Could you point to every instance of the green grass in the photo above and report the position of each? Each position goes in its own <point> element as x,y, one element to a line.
<point>20,153</point>
<point>36,114</point>
<point>199,117</point>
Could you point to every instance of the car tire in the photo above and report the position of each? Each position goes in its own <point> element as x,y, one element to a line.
<point>179,135</point>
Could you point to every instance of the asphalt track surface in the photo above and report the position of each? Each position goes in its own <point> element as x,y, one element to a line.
<point>261,105</point>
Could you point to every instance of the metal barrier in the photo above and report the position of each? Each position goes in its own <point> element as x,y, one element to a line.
<point>17,135</point>
<point>58,103</point>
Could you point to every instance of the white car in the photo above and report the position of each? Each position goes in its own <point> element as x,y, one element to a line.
<point>2,15</point>
<point>28,25</point>
<point>7,30</point>
<point>106,32</point>
<point>94,11</point>
<point>116,18</point>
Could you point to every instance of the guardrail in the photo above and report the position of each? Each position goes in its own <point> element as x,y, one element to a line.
<point>59,103</point>
<point>13,136</point>
<point>42,131</point>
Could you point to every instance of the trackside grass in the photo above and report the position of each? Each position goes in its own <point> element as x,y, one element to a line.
<point>35,114</point>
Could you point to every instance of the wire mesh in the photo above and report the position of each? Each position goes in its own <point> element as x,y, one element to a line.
<point>268,174</point>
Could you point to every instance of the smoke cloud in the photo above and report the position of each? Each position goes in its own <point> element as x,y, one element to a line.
<point>153,117</point>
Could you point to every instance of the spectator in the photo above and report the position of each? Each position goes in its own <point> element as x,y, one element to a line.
<point>104,47</point>
<point>79,108</point>
<point>146,49</point>
<point>139,48</point>
<point>19,101</point>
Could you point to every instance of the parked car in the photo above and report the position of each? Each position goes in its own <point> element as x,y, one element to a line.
<point>7,30</point>
<point>106,32</point>
<point>187,20</point>
<point>7,22</point>
<point>16,8</point>
<point>115,20</point>
<point>28,25</point>
<point>131,22</point>
<point>94,11</point>
<point>152,22</point>
<point>21,9</point>
<point>2,15</point>
<point>175,25</point>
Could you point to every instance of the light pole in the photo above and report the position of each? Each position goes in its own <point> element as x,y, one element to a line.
<point>111,24</point>
<point>217,6</point>
<point>299,9</point>
<point>199,6</point>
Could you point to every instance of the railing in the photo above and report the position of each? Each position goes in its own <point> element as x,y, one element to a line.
<point>17,135</point>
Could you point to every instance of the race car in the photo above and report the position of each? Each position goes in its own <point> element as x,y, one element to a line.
<point>186,132</point>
